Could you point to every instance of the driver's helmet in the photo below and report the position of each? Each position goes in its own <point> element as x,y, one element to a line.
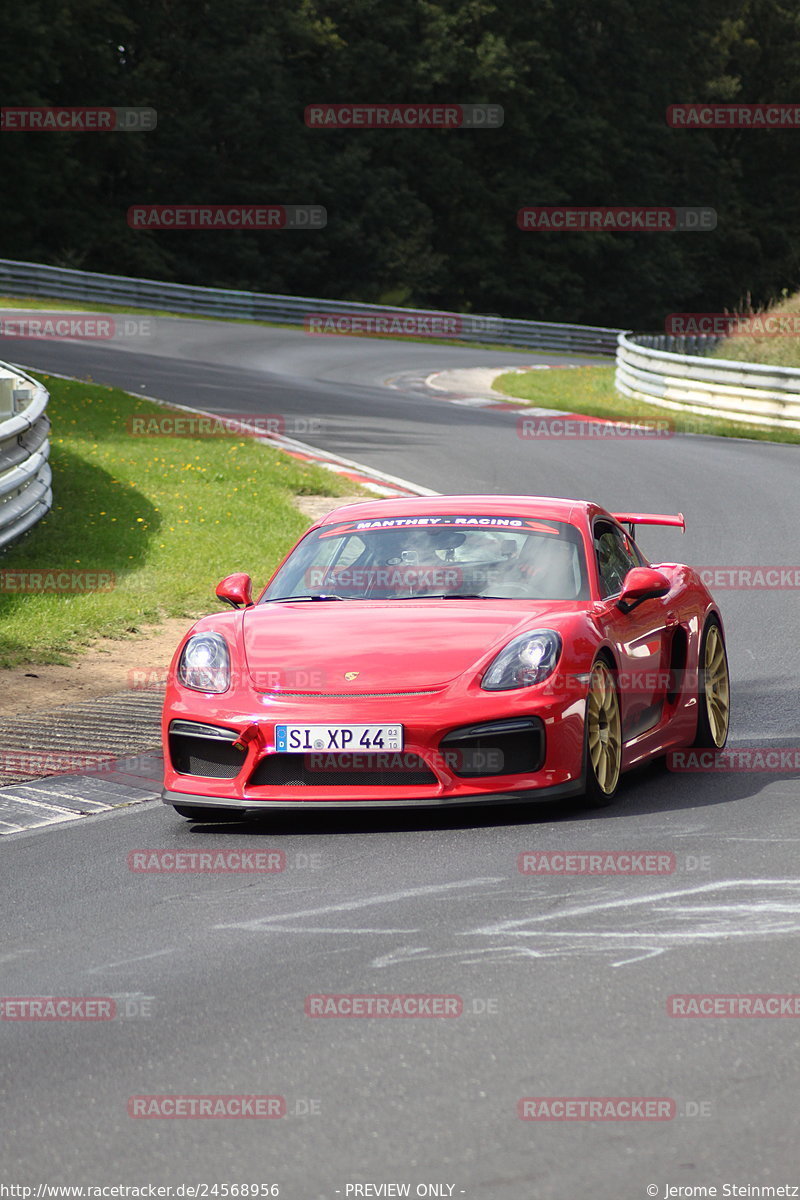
<point>421,559</point>
<point>427,545</point>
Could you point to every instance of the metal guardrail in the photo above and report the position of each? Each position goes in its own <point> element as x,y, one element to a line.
<point>35,279</point>
<point>25,478</point>
<point>673,373</point>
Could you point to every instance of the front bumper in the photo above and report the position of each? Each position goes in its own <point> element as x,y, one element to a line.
<point>555,770</point>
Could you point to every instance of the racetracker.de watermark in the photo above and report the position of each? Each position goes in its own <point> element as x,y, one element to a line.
<point>748,760</point>
<point>255,217</point>
<point>402,324</point>
<point>404,575</point>
<point>468,761</point>
<point>50,119</point>
<point>388,1005</point>
<point>72,327</point>
<point>56,581</point>
<point>217,862</point>
<point>734,116</point>
<point>744,1004</point>
<point>194,425</point>
<point>273,679</point>
<point>57,1008</point>
<point>637,683</point>
<point>404,116</point>
<point>596,1108</point>
<point>54,762</point>
<point>220,1107</point>
<point>578,428</point>
<point>596,862</point>
<point>719,325</point>
<point>741,578</point>
<point>561,218</point>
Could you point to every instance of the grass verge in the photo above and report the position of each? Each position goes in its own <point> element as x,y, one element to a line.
<point>771,337</point>
<point>167,517</point>
<point>590,391</point>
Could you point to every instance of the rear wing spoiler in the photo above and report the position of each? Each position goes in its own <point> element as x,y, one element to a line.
<point>633,519</point>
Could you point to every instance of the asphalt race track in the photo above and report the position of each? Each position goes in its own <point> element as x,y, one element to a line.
<point>564,980</point>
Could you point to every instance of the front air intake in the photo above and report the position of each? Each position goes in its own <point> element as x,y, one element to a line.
<point>204,750</point>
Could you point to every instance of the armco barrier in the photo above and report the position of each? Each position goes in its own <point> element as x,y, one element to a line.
<point>670,372</point>
<point>658,369</point>
<point>34,279</point>
<point>25,493</point>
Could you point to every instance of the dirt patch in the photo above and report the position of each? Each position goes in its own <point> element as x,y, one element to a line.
<point>108,665</point>
<point>315,507</point>
<point>115,664</point>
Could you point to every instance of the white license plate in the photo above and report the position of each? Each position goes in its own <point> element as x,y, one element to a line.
<point>299,739</point>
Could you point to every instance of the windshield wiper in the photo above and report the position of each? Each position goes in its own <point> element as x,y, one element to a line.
<point>442,596</point>
<point>323,596</point>
<point>383,599</point>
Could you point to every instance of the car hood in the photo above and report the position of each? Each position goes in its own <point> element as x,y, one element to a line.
<point>400,646</point>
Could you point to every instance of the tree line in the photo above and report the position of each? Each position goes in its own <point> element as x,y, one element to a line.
<point>423,217</point>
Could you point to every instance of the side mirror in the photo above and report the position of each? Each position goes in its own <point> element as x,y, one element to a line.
<point>236,590</point>
<point>642,583</point>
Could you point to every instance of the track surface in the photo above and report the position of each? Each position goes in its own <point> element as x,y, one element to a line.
<point>574,972</point>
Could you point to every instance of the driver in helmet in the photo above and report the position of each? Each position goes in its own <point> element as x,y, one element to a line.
<point>423,562</point>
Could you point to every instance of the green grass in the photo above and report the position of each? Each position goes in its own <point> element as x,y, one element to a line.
<point>590,391</point>
<point>781,350</point>
<point>169,517</point>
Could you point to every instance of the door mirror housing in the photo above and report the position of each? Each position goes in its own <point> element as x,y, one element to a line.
<point>236,590</point>
<point>642,583</point>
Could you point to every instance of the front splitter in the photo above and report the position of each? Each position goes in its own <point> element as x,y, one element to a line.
<point>559,792</point>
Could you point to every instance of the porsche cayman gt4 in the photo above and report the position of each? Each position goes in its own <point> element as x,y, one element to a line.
<point>445,651</point>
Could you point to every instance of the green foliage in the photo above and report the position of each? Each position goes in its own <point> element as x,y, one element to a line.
<point>426,216</point>
<point>778,345</point>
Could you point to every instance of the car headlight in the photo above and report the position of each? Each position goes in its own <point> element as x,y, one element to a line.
<point>529,659</point>
<point>205,664</point>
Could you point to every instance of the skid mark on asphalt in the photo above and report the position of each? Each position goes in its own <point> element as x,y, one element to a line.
<point>125,962</point>
<point>630,929</point>
<point>14,954</point>
<point>327,929</point>
<point>222,895</point>
<point>263,924</point>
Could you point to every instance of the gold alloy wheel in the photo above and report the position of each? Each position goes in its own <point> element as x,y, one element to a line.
<point>716,685</point>
<point>604,728</point>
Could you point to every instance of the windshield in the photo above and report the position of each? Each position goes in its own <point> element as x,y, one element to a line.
<point>447,556</point>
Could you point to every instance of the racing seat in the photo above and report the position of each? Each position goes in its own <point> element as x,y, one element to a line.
<point>554,573</point>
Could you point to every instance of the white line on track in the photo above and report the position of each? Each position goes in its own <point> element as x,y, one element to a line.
<point>259,923</point>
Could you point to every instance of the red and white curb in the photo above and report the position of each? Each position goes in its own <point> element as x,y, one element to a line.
<point>378,482</point>
<point>374,481</point>
<point>472,387</point>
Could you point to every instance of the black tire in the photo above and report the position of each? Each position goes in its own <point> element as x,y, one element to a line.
<point>198,812</point>
<point>713,689</point>
<point>602,729</point>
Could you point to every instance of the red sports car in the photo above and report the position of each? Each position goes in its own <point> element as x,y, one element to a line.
<point>446,650</point>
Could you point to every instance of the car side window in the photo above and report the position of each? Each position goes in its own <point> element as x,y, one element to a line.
<point>616,554</point>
